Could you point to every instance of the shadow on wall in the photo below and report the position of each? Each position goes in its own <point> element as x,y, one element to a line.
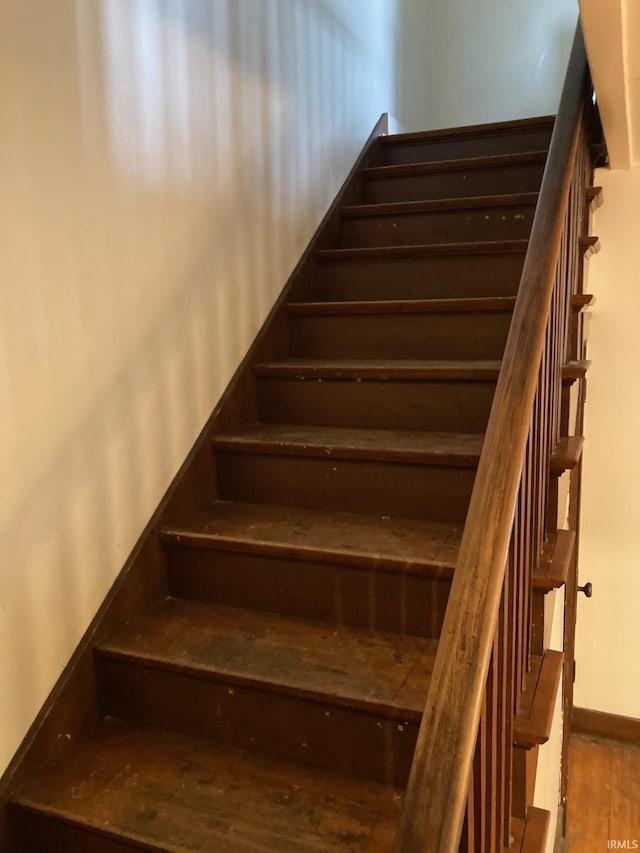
<point>179,156</point>
<point>504,61</point>
<point>415,75</point>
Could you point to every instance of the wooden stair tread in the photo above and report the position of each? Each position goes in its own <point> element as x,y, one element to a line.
<point>594,197</point>
<point>327,368</point>
<point>536,829</point>
<point>168,792</point>
<point>345,666</point>
<point>399,208</point>
<point>422,250</point>
<point>511,126</point>
<point>553,569</point>
<point>405,306</point>
<point>566,454</point>
<point>383,444</point>
<point>573,370</point>
<point>589,245</point>
<point>532,724</point>
<point>368,541</point>
<point>581,300</point>
<point>487,161</point>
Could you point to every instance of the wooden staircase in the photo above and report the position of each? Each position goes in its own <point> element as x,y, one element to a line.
<point>257,677</point>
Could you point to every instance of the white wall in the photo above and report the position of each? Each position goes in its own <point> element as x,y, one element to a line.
<point>608,626</point>
<point>497,60</point>
<point>163,164</point>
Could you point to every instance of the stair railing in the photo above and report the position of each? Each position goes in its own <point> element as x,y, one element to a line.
<point>459,791</point>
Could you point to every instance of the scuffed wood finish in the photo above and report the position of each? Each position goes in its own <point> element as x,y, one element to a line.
<point>351,538</point>
<point>604,795</point>
<point>434,810</point>
<point>400,369</point>
<point>166,792</point>
<point>445,448</point>
<point>345,667</point>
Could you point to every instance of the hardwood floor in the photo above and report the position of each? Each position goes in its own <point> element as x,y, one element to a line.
<point>604,796</point>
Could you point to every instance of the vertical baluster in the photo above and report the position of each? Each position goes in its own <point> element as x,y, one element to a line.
<point>503,780</point>
<point>467,840</point>
<point>492,751</point>
<point>542,450</point>
<point>519,602</point>
<point>510,674</point>
<point>527,568</point>
<point>480,784</point>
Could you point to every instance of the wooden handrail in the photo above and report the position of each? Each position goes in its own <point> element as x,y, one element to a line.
<point>436,796</point>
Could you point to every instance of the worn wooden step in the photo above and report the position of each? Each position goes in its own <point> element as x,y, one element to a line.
<point>339,697</point>
<point>413,329</point>
<point>404,306</point>
<point>532,723</point>
<point>382,472</point>
<point>422,250</point>
<point>473,176</point>
<point>391,574</point>
<point>423,272</point>
<point>348,539</point>
<point>574,370</point>
<point>553,568</point>
<point>566,454</point>
<point>530,835</point>
<point>474,141</point>
<point>551,573</point>
<point>371,369</point>
<point>500,217</point>
<point>439,448</point>
<point>392,394</point>
<point>129,788</point>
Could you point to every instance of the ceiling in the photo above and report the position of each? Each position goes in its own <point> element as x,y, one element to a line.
<point>612,34</point>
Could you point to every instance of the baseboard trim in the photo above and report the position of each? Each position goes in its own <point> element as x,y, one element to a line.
<point>608,726</point>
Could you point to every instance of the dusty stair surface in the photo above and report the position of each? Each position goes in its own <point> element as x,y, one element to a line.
<point>271,699</point>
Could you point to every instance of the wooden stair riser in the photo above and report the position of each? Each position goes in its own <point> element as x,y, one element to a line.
<point>438,493</point>
<point>401,601</point>
<point>525,763</point>
<point>476,181</point>
<point>437,277</point>
<point>364,745</point>
<point>456,406</point>
<point>481,144</point>
<point>460,335</point>
<point>510,222</point>
<point>40,833</point>
<point>537,622</point>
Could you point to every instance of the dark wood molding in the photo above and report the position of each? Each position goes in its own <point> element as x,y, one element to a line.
<point>599,724</point>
